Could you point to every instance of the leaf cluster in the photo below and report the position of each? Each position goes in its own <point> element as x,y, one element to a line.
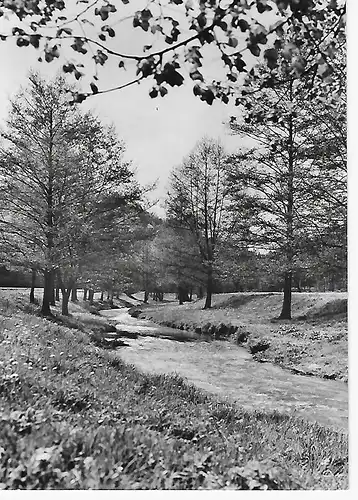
<point>305,31</point>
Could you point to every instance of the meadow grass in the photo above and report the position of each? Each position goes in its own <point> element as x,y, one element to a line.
<point>74,416</point>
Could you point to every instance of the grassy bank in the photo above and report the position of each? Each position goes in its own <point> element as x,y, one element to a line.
<point>74,416</point>
<point>314,342</point>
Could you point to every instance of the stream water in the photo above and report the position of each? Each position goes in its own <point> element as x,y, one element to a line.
<point>225,369</point>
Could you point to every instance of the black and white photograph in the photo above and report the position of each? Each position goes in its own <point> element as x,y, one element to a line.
<point>174,246</point>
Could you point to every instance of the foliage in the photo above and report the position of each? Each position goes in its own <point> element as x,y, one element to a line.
<point>238,268</point>
<point>175,34</point>
<point>179,255</point>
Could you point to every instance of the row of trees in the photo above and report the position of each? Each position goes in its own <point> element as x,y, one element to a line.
<point>171,262</point>
<point>70,205</point>
<point>269,217</point>
<point>284,197</point>
<point>68,197</point>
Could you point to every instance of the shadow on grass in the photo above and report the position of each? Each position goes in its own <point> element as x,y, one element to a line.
<point>84,324</point>
<point>336,309</point>
<point>237,301</point>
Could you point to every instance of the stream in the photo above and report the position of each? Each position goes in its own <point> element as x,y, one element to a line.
<point>227,370</point>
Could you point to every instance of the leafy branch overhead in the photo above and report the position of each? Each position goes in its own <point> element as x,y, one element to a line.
<point>174,35</point>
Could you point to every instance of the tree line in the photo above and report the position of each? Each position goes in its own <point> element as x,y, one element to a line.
<point>68,197</point>
<point>282,200</point>
<point>272,215</point>
<point>268,217</point>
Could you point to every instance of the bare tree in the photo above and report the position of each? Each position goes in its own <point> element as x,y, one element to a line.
<point>294,178</point>
<point>65,183</point>
<point>196,202</point>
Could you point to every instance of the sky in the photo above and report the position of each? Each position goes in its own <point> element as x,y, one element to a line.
<point>158,132</point>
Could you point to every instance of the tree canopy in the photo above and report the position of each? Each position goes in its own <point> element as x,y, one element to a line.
<point>178,38</point>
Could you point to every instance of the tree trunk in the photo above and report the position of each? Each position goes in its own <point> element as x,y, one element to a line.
<point>146,296</point>
<point>85,293</point>
<point>57,294</point>
<point>47,294</point>
<point>66,293</point>
<point>200,293</point>
<point>180,295</point>
<point>101,296</point>
<point>52,301</point>
<point>49,275</point>
<point>287,290</point>
<point>331,284</point>
<point>65,300</point>
<point>90,296</point>
<point>287,297</point>
<point>209,288</point>
<point>74,293</point>
<point>183,294</point>
<point>33,282</point>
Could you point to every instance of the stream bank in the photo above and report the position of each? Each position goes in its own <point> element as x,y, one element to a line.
<point>313,343</point>
<point>228,370</point>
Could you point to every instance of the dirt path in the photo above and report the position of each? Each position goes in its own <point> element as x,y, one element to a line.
<point>227,370</point>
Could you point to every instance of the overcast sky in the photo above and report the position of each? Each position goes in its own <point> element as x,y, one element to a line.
<point>158,132</point>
